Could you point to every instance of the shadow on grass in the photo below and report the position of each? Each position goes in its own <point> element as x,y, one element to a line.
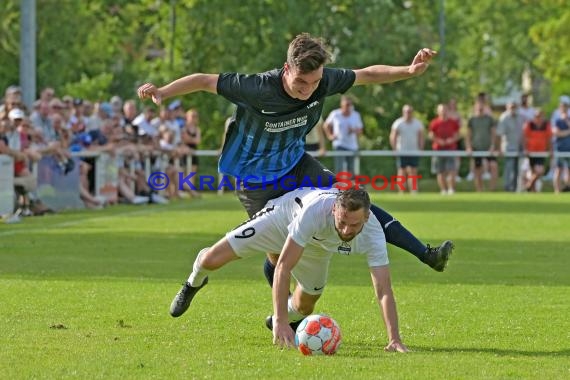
<point>493,351</point>
<point>170,256</point>
<point>362,350</point>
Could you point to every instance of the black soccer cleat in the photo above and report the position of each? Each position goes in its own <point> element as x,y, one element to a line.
<point>269,323</point>
<point>181,302</point>
<point>437,257</point>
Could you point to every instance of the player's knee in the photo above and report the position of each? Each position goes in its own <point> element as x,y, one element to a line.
<point>213,260</point>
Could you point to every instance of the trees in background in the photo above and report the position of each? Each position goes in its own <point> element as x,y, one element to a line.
<point>95,49</point>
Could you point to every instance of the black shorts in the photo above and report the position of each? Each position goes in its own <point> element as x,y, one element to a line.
<point>534,161</point>
<point>407,161</point>
<point>254,196</point>
<point>479,160</point>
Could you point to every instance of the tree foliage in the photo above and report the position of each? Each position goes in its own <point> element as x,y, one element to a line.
<point>98,48</point>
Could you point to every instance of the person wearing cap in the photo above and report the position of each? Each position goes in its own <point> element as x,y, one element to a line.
<point>103,112</point>
<point>563,101</point>
<point>17,136</point>
<point>178,113</point>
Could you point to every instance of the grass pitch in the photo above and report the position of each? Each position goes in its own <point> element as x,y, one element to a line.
<point>86,295</point>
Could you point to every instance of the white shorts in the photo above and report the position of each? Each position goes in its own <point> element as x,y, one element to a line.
<point>264,234</point>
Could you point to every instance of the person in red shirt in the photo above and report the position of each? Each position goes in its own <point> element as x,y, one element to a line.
<point>444,133</point>
<point>537,137</point>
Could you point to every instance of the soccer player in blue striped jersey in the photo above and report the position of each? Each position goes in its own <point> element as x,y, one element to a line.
<point>275,110</point>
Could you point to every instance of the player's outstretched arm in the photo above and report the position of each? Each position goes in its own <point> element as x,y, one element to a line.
<point>185,85</point>
<point>282,333</point>
<point>385,296</point>
<point>379,74</point>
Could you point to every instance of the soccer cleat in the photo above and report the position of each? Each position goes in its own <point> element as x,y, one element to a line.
<point>437,257</point>
<point>269,323</point>
<point>181,302</point>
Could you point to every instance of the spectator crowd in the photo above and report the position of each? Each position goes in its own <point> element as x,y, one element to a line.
<point>60,127</point>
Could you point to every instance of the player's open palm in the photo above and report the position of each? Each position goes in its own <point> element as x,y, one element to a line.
<point>395,346</point>
<point>283,335</point>
<point>150,91</point>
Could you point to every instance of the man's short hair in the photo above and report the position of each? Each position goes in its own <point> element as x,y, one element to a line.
<point>353,200</point>
<point>307,53</point>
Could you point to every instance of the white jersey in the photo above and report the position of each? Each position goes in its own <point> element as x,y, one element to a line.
<point>306,216</point>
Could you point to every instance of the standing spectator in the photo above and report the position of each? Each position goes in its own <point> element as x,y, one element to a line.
<point>25,181</point>
<point>444,133</point>
<point>192,136</point>
<point>537,137</point>
<point>561,132</point>
<point>407,135</point>
<point>453,113</point>
<point>481,136</point>
<point>315,139</point>
<point>526,111</point>
<point>564,101</point>
<point>510,128</point>
<point>344,125</point>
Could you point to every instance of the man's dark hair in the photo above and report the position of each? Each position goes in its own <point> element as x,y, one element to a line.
<point>353,200</point>
<point>307,53</point>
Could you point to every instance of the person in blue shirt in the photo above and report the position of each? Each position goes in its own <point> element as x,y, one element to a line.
<point>275,111</point>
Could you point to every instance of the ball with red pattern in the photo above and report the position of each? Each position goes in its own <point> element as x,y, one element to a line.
<point>318,334</point>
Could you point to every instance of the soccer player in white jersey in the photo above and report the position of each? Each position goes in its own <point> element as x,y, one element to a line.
<point>307,226</point>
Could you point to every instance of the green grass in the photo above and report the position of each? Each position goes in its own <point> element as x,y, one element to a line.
<point>86,294</point>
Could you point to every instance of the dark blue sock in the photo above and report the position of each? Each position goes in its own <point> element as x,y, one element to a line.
<point>398,235</point>
<point>269,271</point>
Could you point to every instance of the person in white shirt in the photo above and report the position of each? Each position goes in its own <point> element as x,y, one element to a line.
<point>525,110</point>
<point>343,126</point>
<point>307,226</point>
<point>407,135</point>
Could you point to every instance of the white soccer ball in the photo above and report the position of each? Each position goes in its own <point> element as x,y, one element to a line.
<point>318,334</point>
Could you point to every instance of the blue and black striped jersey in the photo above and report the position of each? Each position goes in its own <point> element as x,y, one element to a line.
<point>267,136</point>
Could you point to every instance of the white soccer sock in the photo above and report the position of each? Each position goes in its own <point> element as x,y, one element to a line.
<point>293,314</point>
<point>198,273</point>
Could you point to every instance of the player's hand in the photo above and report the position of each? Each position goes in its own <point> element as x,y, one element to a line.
<point>283,335</point>
<point>149,90</point>
<point>396,346</point>
<point>421,61</point>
